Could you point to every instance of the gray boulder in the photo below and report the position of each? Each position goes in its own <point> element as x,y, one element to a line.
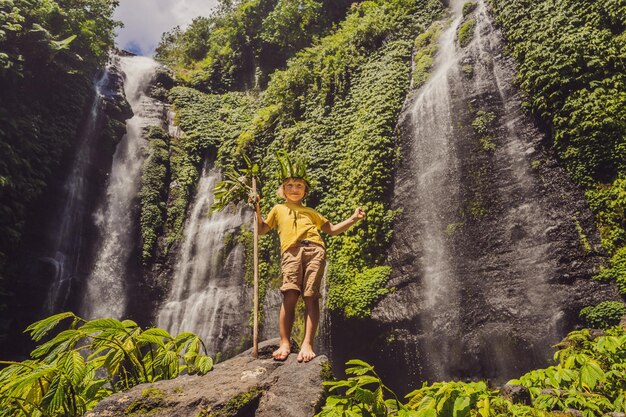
<point>516,394</point>
<point>241,386</point>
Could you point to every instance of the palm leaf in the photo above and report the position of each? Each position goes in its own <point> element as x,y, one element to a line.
<point>235,187</point>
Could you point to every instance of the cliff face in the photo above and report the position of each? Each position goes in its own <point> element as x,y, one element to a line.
<point>495,247</point>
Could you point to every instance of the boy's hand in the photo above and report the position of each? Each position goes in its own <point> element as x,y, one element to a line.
<point>359,214</point>
<point>254,199</point>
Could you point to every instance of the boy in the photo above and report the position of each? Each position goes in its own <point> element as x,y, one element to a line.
<point>303,257</point>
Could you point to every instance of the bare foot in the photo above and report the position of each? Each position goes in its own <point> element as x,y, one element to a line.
<point>282,352</point>
<point>306,353</point>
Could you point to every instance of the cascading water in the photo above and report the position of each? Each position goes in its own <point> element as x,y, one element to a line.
<point>208,295</point>
<point>106,291</point>
<point>485,253</point>
<point>67,247</point>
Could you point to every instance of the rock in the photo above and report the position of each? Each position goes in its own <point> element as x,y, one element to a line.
<point>516,394</point>
<point>241,386</point>
<point>615,414</point>
<point>573,413</point>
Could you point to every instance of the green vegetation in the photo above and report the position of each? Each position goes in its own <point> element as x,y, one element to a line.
<point>425,49</point>
<point>89,360</point>
<point>572,66</point>
<point>582,237</point>
<point>465,33</point>
<point>604,315</point>
<point>589,376</point>
<point>469,7</point>
<point>335,105</point>
<point>483,125</point>
<point>239,403</point>
<point>153,194</point>
<point>243,42</point>
<point>49,51</point>
<point>468,70</point>
<point>609,204</point>
<point>236,406</point>
<point>209,121</point>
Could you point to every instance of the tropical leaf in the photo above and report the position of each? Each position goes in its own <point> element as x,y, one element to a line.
<point>590,374</point>
<point>236,186</point>
<point>150,338</point>
<point>155,331</point>
<point>204,364</point>
<point>106,324</point>
<point>55,396</point>
<point>41,328</point>
<point>129,324</point>
<point>61,342</point>
<point>62,44</point>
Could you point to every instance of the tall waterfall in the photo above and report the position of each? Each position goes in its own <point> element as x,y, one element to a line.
<point>208,295</point>
<point>106,290</point>
<point>485,254</point>
<point>67,247</point>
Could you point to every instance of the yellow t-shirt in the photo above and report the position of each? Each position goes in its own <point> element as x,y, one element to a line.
<point>295,223</point>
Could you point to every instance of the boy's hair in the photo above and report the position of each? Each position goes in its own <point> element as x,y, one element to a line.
<point>280,191</point>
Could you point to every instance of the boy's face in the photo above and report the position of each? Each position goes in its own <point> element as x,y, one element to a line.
<point>294,190</point>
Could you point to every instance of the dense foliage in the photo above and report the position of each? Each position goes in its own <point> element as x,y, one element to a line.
<point>604,315</point>
<point>589,376</point>
<point>211,123</point>
<point>243,42</point>
<point>336,105</point>
<point>572,65</point>
<point>153,194</point>
<point>89,360</point>
<point>49,51</point>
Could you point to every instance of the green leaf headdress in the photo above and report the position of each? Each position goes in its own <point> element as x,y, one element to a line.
<point>289,168</point>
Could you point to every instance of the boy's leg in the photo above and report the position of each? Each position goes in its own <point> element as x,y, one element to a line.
<point>311,320</point>
<point>286,318</point>
<point>313,273</point>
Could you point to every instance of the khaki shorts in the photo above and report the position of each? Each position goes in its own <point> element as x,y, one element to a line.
<point>303,269</point>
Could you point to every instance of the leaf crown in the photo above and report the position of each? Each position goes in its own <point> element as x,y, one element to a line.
<point>291,168</point>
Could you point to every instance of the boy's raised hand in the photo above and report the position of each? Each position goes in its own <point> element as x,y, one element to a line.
<point>359,214</point>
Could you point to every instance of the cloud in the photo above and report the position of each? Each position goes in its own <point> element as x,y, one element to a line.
<point>145,20</point>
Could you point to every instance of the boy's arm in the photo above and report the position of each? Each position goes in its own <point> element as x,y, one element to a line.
<point>335,229</point>
<point>263,227</point>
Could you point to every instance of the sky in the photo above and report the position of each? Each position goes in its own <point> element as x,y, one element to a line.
<point>145,21</point>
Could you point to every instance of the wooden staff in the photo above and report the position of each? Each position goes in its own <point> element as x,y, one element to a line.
<point>255,331</point>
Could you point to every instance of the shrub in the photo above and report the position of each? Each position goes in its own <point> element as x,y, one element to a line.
<point>603,315</point>
<point>465,33</point>
<point>70,373</point>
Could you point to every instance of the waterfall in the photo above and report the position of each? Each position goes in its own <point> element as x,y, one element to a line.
<point>432,197</point>
<point>106,292</point>
<point>486,257</point>
<point>208,295</point>
<point>69,230</point>
<point>479,260</point>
